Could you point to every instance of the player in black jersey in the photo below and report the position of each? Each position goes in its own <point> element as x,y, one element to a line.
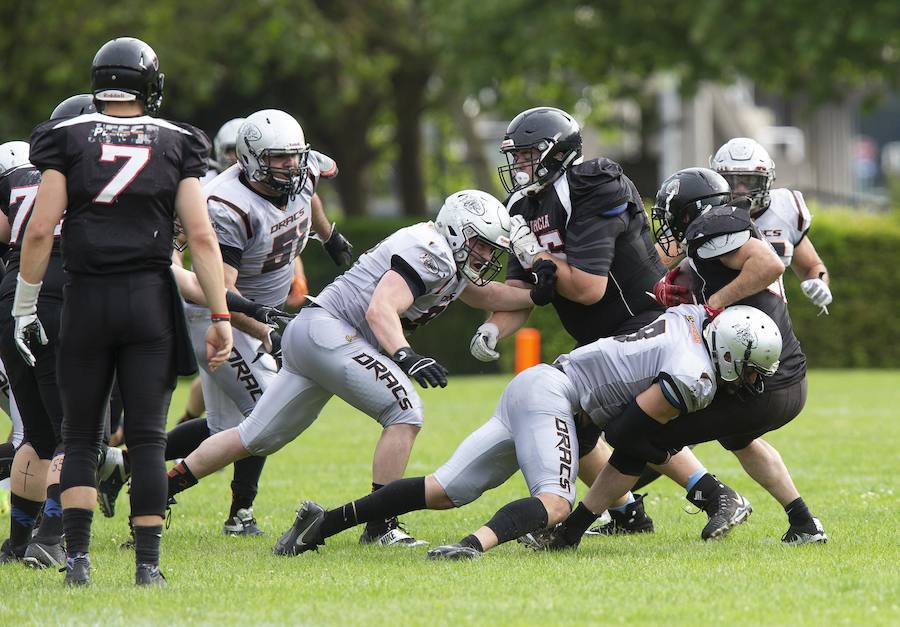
<point>120,176</point>
<point>731,263</point>
<point>586,217</point>
<point>35,388</point>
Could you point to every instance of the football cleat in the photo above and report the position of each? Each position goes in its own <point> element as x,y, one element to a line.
<point>44,554</point>
<point>810,533</point>
<point>394,536</point>
<point>78,570</point>
<point>111,477</point>
<point>304,534</point>
<point>725,509</point>
<point>149,575</point>
<point>454,552</point>
<point>10,553</point>
<point>242,524</point>
<point>633,520</point>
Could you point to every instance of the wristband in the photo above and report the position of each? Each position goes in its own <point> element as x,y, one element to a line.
<point>26,297</point>
<point>219,317</point>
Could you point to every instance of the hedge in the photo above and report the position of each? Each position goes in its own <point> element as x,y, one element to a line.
<point>862,252</point>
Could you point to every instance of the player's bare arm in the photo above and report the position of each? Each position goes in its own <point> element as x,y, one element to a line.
<point>391,297</point>
<point>806,262</point>
<point>759,267</point>
<point>495,296</point>
<point>577,285</point>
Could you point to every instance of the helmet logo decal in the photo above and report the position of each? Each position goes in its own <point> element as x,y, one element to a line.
<point>472,205</point>
<point>672,191</point>
<point>251,132</point>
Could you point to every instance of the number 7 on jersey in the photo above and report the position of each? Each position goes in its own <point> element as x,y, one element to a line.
<point>137,157</point>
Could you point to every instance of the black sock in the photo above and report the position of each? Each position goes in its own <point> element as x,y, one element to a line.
<point>146,544</point>
<point>798,513</point>
<point>7,453</point>
<point>245,484</point>
<point>376,527</point>
<point>397,497</point>
<point>577,523</point>
<point>77,526</point>
<point>518,518</point>
<point>706,486</point>
<point>51,527</point>
<point>180,478</point>
<point>185,438</point>
<point>472,542</point>
<point>21,519</point>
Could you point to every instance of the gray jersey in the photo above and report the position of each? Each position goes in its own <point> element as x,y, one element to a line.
<point>785,223</point>
<point>418,253</point>
<point>257,237</point>
<point>610,372</point>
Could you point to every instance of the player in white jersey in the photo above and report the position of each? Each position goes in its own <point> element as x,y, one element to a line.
<point>262,210</point>
<point>334,347</point>
<point>781,214</point>
<point>668,369</point>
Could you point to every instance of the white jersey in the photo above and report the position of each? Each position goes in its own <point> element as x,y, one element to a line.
<point>421,256</point>
<point>610,372</point>
<point>259,238</point>
<point>785,222</point>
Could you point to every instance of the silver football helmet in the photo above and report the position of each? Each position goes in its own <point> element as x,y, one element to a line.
<point>469,218</point>
<point>12,155</point>
<point>748,168</point>
<point>743,340</point>
<point>272,133</point>
<point>225,141</point>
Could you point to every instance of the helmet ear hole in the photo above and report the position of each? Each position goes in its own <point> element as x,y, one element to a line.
<point>727,357</point>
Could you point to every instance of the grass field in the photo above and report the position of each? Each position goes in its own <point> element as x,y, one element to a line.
<point>842,451</point>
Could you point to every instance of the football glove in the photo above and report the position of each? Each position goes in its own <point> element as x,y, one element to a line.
<point>338,248</point>
<point>484,342</point>
<point>29,334</point>
<point>668,294</point>
<point>543,273</point>
<point>817,291</point>
<point>425,370</point>
<point>523,242</point>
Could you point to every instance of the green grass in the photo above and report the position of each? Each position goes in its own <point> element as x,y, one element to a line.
<point>842,451</point>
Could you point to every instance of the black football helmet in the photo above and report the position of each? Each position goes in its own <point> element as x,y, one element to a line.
<point>556,138</point>
<point>74,105</point>
<point>681,198</point>
<point>127,69</point>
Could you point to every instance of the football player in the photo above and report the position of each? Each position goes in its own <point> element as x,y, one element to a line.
<point>780,214</point>
<point>731,262</point>
<point>120,175</point>
<point>334,345</point>
<point>587,218</point>
<point>680,355</point>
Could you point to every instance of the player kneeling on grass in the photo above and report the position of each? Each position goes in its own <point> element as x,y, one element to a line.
<point>629,385</point>
<point>332,347</point>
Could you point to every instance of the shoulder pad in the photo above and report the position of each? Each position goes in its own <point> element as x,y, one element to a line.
<point>716,221</point>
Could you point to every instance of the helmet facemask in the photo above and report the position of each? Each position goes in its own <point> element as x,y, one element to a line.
<point>756,184</point>
<point>283,180</point>
<point>546,163</point>
<point>472,263</point>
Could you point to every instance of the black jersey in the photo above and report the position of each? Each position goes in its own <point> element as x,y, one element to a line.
<point>593,218</point>
<point>711,275</point>
<point>122,176</point>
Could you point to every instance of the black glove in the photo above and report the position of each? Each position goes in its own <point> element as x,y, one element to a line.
<point>425,370</point>
<point>338,248</point>
<point>543,273</point>
<point>275,351</point>
<point>271,316</point>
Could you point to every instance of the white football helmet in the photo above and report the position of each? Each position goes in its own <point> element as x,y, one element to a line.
<point>12,155</point>
<point>225,140</point>
<point>748,168</point>
<point>470,217</point>
<point>743,340</point>
<point>270,133</point>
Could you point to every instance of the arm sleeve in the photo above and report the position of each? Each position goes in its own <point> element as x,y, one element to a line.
<point>412,278</point>
<point>194,153</point>
<point>591,240</point>
<point>48,148</point>
<point>231,255</point>
<point>687,393</point>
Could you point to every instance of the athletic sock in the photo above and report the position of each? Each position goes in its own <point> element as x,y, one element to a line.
<point>394,499</point>
<point>77,526</point>
<point>472,542</point>
<point>180,478</point>
<point>244,487</point>
<point>51,527</point>
<point>377,528</point>
<point>621,508</point>
<point>797,512</point>
<point>577,523</point>
<point>694,478</point>
<point>146,544</point>
<point>22,514</point>
<point>703,489</point>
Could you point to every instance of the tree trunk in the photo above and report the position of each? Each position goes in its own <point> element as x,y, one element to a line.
<point>409,102</point>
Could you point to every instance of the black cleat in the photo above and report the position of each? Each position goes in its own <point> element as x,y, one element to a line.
<point>44,554</point>
<point>304,535</point>
<point>78,570</point>
<point>811,533</point>
<point>633,520</point>
<point>242,524</point>
<point>395,535</point>
<point>725,509</point>
<point>149,575</point>
<point>455,552</point>
<point>111,478</point>
<point>10,553</point>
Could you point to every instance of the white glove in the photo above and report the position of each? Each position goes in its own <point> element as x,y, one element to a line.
<point>523,242</point>
<point>484,341</point>
<point>28,331</point>
<point>816,290</point>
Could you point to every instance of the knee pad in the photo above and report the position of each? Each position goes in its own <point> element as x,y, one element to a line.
<point>518,518</point>
<point>80,467</point>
